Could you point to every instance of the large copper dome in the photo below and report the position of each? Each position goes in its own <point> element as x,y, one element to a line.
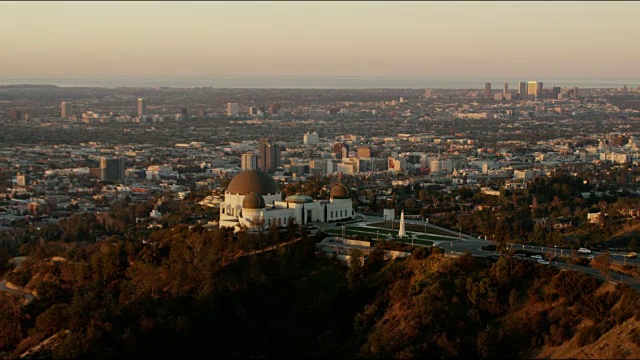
<point>253,201</point>
<point>339,191</point>
<point>252,181</point>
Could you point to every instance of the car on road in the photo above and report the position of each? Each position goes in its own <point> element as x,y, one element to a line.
<point>536,256</point>
<point>520,256</point>
<point>584,251</point>
<point>632,255</point>
<point>543,261</point>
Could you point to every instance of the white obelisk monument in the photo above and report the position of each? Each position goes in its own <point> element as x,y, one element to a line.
<point>402,233</point>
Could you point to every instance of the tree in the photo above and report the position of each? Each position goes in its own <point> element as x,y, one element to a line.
<point>602,262</point>
<point>409,203</point>
<point>10,321</point>
<point>356,267</point>
<point>274,233</point>
<point>257,223</point>
<point>5,256</point>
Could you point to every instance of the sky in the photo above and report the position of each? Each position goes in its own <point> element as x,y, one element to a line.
<point>584,40</point>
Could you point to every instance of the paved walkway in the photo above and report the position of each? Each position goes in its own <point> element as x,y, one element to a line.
<point>18,260</point>
<point>26,295</point>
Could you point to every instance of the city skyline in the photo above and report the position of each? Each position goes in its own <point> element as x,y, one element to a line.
<point>424,39</point>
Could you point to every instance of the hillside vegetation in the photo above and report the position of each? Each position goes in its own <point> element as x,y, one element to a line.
<point>194,293</point>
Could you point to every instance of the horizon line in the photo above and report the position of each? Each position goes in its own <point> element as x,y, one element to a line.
<point>312,76</point>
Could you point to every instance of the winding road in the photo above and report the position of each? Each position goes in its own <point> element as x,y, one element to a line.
<point>474,246</point>
<point>26,295</point>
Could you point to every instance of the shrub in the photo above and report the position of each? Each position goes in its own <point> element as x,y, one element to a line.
<point>589,335</point>
<point>420,253</point>
<point>20,277</point>
<point>635,336</point>
<point>557,335</point>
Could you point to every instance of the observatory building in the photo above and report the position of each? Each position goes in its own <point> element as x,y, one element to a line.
<point>253,200</point>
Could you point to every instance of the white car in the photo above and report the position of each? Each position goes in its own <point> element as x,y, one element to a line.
<point>536,256</point>
<point>543,261</point>
<point>584,251</point>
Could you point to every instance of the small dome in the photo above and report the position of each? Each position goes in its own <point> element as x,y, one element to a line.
<point>250,181</point>
<point>298,199</point>
<point>339,191</point>
<point>253,201</point>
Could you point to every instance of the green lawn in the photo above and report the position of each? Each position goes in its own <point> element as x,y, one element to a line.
<point>411,227</point>
<point>359,231</point>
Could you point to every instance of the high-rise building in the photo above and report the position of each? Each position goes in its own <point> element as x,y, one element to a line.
<point>310,138</point>
<point>249,161</point>
<point>365,152</point>
<point>269,156</point>
<point>111,169</point>
<point>428,93</point>
<point>337,150</point>
<point>540,90</point>
<point>505,89</point>
<point>522,90</point>
<point>274,109</point>
<point>15,114</point>
<point>345,152</point>
<point>532,89</point>
<point>142,106</point>
<point>21,180</point>
<point>63,110</point>
<point>487,90</point>
<point>232,109</point>
<point>253,111</point>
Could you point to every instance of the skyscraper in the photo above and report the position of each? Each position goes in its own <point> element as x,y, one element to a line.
<point>142,106</point>
<point>310,138</point>
<point>487,90</point>
<point>232,109</point>
<point>428,93</point>
<point>522,90</point>
<point>269,156</point>
<point>63,110</point>
<point>111,169</point>
<point>505,90</point>
<point>539,91</point>
<point>249,161</point>
<point>337,150</point>
<point>532,89</point>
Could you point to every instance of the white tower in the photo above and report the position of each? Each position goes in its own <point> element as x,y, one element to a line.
<point>402,233</point>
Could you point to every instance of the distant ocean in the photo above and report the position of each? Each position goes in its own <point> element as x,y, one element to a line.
<point>308,82</point>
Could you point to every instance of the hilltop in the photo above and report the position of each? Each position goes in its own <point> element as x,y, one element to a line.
<point>173,298</point>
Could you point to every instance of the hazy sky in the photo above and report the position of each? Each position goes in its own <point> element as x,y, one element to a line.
<point>490,39</point>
